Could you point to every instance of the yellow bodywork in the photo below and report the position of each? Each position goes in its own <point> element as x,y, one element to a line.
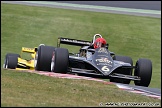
<point>27,64</point>
<point>29,50</point>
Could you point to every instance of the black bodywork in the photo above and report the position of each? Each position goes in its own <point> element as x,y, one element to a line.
<point>98,62</point>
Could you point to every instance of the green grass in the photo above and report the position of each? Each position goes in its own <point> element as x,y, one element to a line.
<point>28,26</point>
<point>29,89</point>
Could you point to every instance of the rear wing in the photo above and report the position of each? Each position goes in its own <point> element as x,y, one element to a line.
<point>72,42</point>
<point>29,50</point>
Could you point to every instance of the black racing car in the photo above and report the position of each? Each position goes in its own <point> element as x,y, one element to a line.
<point>99,62</point>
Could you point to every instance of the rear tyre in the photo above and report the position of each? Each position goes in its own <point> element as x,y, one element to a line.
<point>124,71</point>
<point>11,61</point>
<point>43,58</point>
<point>60,60</point>
<point>144,71</point>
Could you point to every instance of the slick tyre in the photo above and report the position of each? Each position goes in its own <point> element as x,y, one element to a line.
<point>43,58</point>
<point>144,71</point>
<point>125,59</point>
<point>11,61</point>
<point>60,60</point>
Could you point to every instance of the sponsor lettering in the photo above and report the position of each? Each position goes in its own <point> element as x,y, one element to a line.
<point>105,60</point>
<point>76,41</point>
<point>28,48</point>
<point>103,50</point>
<point>105,64</point>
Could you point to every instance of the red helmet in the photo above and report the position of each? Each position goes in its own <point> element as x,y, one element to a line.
<point>99,42</point>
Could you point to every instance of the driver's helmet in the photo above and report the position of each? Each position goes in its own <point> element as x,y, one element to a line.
<point>99,42</point>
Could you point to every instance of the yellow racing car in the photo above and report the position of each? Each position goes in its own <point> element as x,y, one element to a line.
<point>15,61</point>
<point>28,59</point>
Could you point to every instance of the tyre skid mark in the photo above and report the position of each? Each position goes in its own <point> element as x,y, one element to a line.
<point>69,76</point>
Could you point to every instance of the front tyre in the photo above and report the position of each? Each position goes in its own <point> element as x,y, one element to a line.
<point>60,60</point>
<point>144,71</point>
<point>11,61</point>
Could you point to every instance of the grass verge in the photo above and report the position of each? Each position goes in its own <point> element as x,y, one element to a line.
<point>29,89</point>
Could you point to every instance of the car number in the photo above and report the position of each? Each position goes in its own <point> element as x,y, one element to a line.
<point>105,68</point>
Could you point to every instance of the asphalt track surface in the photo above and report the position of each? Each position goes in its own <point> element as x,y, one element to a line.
<point>139,8</point>
<point>153,6</point>
<point>147,5</point>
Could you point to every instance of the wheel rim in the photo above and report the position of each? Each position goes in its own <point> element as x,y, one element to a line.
<point>52,62</point>
<point>52,66</point>
<point>35,59</point>
<point>6,66</point>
